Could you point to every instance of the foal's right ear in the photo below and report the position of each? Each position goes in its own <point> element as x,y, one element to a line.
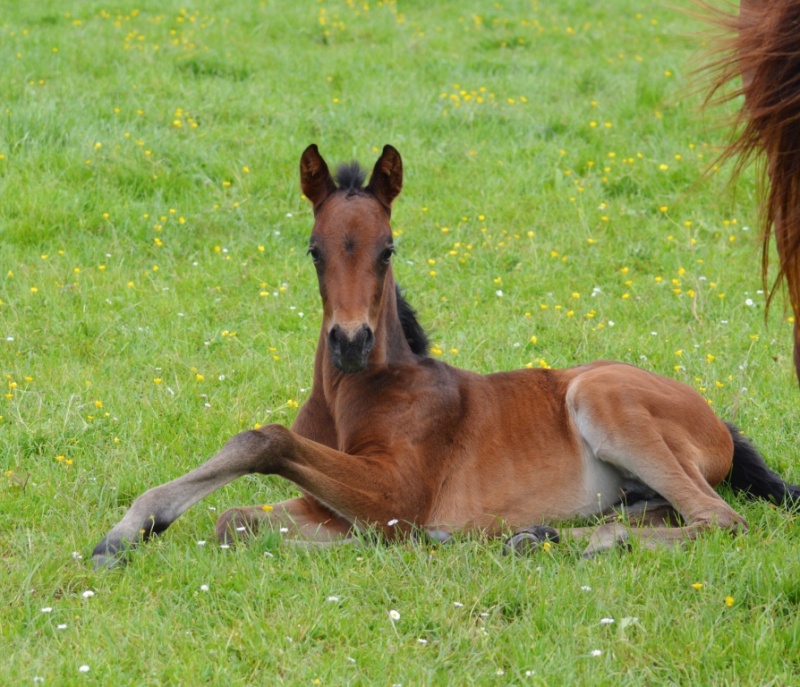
<point>315,179</point>
<point>387,177</point>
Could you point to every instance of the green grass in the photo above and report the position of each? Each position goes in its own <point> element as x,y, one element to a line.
<point>144,136</point>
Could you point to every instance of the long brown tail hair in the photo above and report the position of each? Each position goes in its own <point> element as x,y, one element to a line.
<point>762,45</point>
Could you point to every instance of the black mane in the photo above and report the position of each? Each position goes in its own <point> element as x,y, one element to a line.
<point>350,177</point>
<point>414,333</point>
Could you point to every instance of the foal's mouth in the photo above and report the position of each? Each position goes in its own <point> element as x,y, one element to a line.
<point>350,350</point>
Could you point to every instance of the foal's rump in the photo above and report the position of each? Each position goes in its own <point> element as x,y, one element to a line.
<point>620,410</point>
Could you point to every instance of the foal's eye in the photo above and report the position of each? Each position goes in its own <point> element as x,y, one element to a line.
<point>314,253</point>
<point>387,254</point>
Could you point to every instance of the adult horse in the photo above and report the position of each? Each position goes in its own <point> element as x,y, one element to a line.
<point>392,440</point>
<point>764,49</point>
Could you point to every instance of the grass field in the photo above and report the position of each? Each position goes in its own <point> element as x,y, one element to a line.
<point>156,299</point>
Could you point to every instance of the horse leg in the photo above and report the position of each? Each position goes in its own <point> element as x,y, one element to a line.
<point>300,519</point>
<point>647,522</point>
<point>646,513</point>
<point>797,348</point>
<point>769,61</point>
<point>677,453</point>
<point>156,509</point>
<point>676,478</point>
<point>360,489</point>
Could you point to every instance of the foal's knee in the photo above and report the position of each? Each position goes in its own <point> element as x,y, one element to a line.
<point>261,449</point>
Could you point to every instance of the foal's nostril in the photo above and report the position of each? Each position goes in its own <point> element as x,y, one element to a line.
<point>369,337</point>
<point>334,335</point>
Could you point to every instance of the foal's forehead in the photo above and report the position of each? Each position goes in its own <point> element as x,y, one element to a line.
<point>352,215</point>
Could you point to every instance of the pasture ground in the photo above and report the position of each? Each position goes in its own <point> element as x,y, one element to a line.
<point>156,299</point>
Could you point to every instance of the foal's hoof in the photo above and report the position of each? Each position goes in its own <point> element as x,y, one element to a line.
<point>102,561</point>
<point>111,553</point>
<point>234,525</point>
<point>529,539</point>
<point>439,536</point>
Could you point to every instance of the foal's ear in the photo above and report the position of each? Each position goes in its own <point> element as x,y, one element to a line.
<point>387,177</point>
<point>315,179</point>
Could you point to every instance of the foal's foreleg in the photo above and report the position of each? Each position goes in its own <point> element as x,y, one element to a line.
<point>158,508</point>
<point>300,520</point>
<point>359,489</point>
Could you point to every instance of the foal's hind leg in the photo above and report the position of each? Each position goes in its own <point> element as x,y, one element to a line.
<point>679,481</point>
<point>613,531</point>
<point>684,487</point>
<point>677,451</point>
<point>650,523</point>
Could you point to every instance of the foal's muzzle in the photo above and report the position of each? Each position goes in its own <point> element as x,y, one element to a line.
<point>350,350</point>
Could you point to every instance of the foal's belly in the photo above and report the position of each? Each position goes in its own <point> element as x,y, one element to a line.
<point>520,494</point>
<point>602,487</point>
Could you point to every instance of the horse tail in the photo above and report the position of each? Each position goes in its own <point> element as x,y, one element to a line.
<point>762,45</point>
<point>750,474</point>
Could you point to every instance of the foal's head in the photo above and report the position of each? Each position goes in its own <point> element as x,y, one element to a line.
<point>351,246</point>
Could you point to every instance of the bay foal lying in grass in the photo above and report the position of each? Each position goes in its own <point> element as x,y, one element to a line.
<point>392,440</point>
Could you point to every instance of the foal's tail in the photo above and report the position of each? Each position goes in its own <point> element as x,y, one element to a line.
<point>763,46</point>
<point>750,474</point>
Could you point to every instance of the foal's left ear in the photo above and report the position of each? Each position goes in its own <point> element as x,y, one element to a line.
<point>387,177</point>
<point>315,178</point>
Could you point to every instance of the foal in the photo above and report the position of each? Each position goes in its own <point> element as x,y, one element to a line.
<point>390,439</point>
